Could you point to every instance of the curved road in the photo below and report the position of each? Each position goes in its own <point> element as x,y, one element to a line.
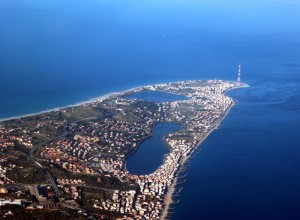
<point>58,193</point>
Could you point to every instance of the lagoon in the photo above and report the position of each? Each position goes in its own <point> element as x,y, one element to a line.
<point>150,153</point>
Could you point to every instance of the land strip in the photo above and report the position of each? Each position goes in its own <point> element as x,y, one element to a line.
<point>83,149</point>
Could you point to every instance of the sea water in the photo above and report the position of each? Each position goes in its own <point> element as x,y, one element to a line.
<point>56,53</point>
<point>249,167</point>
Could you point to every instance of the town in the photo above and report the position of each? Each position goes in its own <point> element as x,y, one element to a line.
<point>71,162</point>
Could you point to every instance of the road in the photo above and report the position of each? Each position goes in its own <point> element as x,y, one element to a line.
<point>58,193</point>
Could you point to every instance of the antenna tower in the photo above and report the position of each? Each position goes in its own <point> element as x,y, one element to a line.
<point>239,74</point>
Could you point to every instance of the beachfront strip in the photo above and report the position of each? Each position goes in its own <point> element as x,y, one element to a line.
<point>85,149</point>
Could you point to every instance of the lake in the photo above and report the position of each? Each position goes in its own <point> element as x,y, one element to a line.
<point>150,153</point>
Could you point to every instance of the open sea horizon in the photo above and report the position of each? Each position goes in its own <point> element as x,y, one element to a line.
<point>58,53</point>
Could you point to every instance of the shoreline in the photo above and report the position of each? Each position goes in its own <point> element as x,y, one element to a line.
<point>57,108</point>
<point>168,201</point>
<point>99,98</point>
<point>103,97</point>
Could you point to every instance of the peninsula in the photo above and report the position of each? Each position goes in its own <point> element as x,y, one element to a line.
<point>71,162</point>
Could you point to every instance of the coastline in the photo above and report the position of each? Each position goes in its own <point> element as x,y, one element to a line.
<point>88,101</point>
<point>168,194</point>
<point>168,201</point>
<point>99,98</point>
<point>57,108</point>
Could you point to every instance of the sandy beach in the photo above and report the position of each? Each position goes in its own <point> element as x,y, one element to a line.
<point>100,98</point>
<point>97,99</point>
<point>169,196</point>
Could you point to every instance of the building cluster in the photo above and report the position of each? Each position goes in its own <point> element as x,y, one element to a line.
<point>59,156</point>
<point>116,137</point>
<point>153,187</point>
<point>101,146</point>
<point>121,201</point>
<point>198,114</point>
<point>18,202</point>
<point>71,187</point>
<point>73,192</point>
<point>4,143</point>
<point>96,147</point>
<point>24,131</point>
<point>149,203</point>
<point>8,138</point>
<point>3,170</point>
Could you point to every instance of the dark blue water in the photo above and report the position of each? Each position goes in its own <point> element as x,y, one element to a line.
<point>150,154</point>
<point>249,168</point>
<point>156,96</point>
<point>55,53</point>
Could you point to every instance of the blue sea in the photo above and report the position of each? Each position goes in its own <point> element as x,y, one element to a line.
<point>56,52</point>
